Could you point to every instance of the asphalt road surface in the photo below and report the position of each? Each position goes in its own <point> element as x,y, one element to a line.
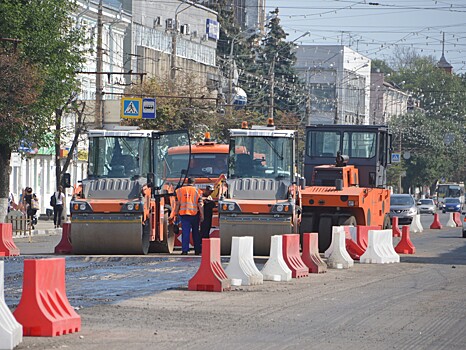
<point>143,302</point>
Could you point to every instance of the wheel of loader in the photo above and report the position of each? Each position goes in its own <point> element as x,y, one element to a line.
<point>325,232</point>
<point>387,223</point>
<point>168,243</point>
<point>347,221</point>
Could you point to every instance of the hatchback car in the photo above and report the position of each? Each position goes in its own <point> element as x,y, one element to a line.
<point>451,205</point>
<point>404,207</point>
<point>427,206</point>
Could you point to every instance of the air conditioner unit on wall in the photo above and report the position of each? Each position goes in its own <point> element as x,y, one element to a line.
<point>170,23</point>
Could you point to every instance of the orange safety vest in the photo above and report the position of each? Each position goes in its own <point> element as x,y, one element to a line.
<point>188,197</point>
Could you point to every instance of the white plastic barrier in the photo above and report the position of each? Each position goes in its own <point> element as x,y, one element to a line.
<point>276,269</point>
<point>416,225</point>
<point>329,250</point>
<point>451,222</point>
<point>11,332</point>
<point>339,257</point>
<point>242,269</point>
<point>380,248</point>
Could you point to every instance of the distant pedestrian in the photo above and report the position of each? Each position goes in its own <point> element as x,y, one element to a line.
<point>58,207</point>
<point>30,202</point>
<point>190,211</point>
<point>11,202</point>
<point>209,205</point>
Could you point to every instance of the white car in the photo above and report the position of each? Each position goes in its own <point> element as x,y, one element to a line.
<point>426,206</point>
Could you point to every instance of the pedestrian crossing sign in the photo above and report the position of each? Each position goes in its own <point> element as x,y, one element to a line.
<point>131,108</point>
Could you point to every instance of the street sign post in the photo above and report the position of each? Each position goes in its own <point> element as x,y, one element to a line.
<point>148,108</point>
<point>131,108</point>
<point>396,157</point>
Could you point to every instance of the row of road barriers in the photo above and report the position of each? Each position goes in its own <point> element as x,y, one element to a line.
<point>367,244</point>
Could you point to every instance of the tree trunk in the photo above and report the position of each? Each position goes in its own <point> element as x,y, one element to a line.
<point>58,115</point>
<point>5,154</point>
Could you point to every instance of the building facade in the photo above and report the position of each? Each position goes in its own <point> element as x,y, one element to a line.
<point>387,100</point>
<point>337,79</point>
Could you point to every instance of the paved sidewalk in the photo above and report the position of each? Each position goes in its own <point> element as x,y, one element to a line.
<point>43,227</point>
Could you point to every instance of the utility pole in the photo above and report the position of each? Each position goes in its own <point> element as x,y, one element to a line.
<point>272,86</point>
<point>272,75</point>
<point>99,122</point>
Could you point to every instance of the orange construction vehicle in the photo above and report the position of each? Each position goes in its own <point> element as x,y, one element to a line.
<point>261,197</point>
<point>124,204</point>
<point>208,161</point>
<point>352,190</point>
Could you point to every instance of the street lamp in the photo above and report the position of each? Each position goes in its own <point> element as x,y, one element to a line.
<point>174,39</point>
<point>246,34</point>
<point>272,74</point>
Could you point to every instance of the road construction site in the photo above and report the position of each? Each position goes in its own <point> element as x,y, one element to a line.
<point>141,302</point>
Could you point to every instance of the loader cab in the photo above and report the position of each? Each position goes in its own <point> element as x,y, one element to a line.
<point>367,147</point>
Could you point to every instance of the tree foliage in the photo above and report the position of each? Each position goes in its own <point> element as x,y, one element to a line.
<point>434,134</point>
<point>49,54</point>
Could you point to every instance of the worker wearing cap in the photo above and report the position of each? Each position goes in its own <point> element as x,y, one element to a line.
<point>190,211</point>
<point>209,205</point>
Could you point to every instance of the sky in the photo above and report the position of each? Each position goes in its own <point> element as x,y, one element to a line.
<point>377,28</point>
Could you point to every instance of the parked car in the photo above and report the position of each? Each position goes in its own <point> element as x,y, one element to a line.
<point>451,205</point>
<point>404,207</point>
<point>427,206</point>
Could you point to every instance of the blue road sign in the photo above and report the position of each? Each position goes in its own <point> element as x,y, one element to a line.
<point>396,157</point>
<point>148,108</point>
<point>131,107</point>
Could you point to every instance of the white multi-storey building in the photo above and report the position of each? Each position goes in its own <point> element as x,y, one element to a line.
<point>338,82</point>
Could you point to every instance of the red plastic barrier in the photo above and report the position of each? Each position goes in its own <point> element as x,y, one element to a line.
<point>310,254</point>
<point>211,276</point>
<point>405,246</point>
<point>353,249</point>
<point>362,235</point>
<point>64,247</point>
<point>44,309</point>
<point>436,223</point>
<point>457,219</point>
<point>292,257</point>
<point>395,229</point>
<point>7,246</point>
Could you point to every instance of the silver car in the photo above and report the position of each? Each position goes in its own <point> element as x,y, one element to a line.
<point>427,206</point>
<point>404,207</point>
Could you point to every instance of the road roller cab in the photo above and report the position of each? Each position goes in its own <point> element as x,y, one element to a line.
<point>261,197</point>
<point>345,170</point>
<point>124,204</point>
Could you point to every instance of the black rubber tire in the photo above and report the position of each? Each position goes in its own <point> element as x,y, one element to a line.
<point>464,234</point>
<point>387,223</point>
<point>347,221</point>
<point>325,232</point>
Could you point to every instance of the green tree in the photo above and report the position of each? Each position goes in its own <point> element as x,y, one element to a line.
<point>54,46</point>
<point>20,87</point>
<point>434,134</point>
<point>274,65</point>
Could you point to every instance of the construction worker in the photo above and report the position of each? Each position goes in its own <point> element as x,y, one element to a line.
<point>190,211</point>
<point>209,205</point>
